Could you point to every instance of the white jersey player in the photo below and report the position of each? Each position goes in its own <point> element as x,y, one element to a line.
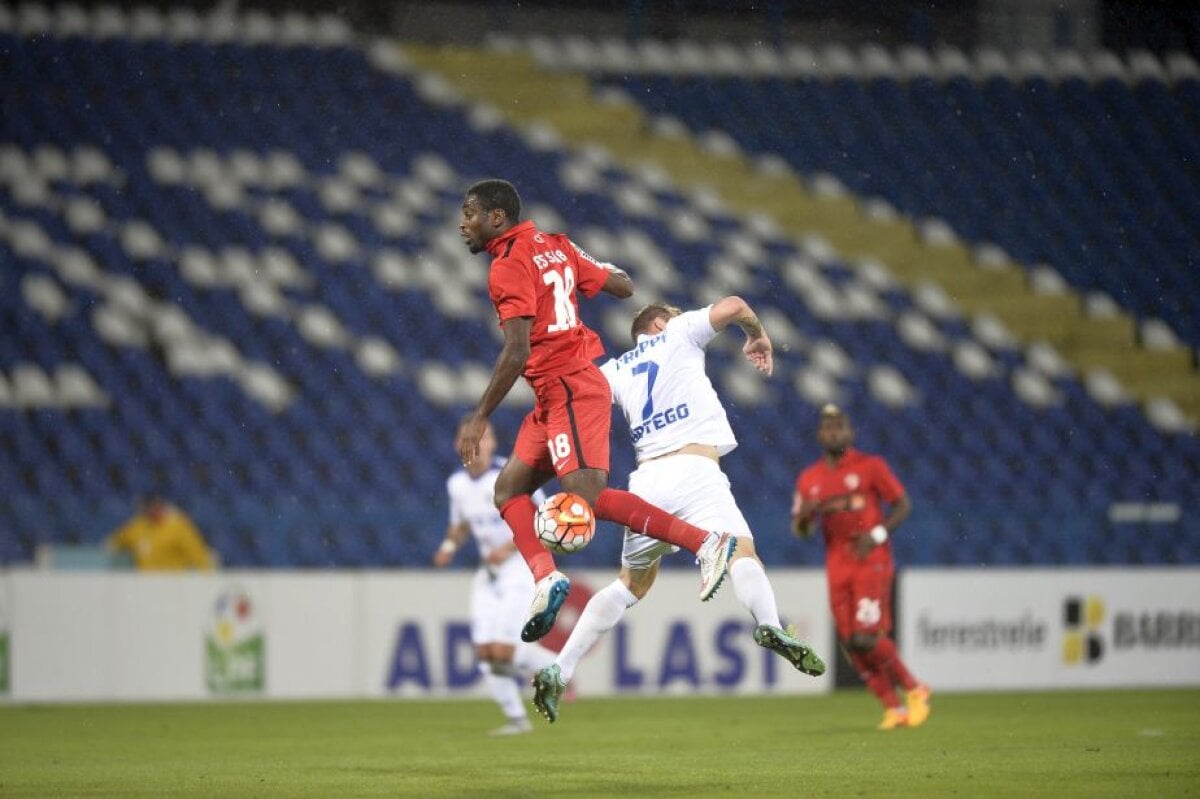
<point>679,432</point>
<point>501,589</point>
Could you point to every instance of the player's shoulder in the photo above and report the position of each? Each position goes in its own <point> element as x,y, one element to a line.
<point>695,326</point>
<point>863,456</point>
<point>809,472</point>
<point>870,460</point>
<point>456,479</point>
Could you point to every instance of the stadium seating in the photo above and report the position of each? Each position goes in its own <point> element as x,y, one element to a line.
<point>232,276</point>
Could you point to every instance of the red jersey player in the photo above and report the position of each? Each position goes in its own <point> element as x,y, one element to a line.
<point>533,283</point>
<point>846,490</point>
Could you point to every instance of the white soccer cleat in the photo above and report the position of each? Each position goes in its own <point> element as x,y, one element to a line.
<point>550,594</point>
<point>713,558</point>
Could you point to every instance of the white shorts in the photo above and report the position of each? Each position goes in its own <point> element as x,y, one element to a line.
<point>500,599</point>
<point>691,487</point>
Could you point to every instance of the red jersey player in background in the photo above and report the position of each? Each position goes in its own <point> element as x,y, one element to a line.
<point>846,490</point>
<point>533,281</point>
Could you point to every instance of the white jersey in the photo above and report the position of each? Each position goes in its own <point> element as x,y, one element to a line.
<point>471,501</point>
<point>665,393</point>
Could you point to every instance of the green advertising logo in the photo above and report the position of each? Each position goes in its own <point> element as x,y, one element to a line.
<point>234,646</point>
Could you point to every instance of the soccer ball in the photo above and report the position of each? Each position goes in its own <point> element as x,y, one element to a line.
<point>565,523</point>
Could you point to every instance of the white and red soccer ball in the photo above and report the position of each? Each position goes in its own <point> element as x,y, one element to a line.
<point>565,523</point>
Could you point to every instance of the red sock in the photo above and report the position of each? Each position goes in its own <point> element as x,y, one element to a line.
<point>891,664</point>
<point>878,681</point>
<point>518,514</point>
<point>640,516</point>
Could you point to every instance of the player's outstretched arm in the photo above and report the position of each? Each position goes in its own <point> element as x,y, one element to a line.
<point>619,283</point>
<point>757,349</point>
<point>510,363</point>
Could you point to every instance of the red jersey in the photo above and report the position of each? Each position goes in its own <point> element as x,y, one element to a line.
<point>857,486</point>
<point>537,274</point>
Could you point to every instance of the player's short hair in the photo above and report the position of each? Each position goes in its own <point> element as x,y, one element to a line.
<point>645,317</point>
<point>495,193</point>
<point>831,410</point>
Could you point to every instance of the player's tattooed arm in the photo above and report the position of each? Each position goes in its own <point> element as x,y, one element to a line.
<point>757,349</point>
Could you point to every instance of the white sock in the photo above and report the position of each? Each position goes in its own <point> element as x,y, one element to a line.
<point>603,611</point>
<point>529,659</point>
<point>753,590</point>
<point>503,689</point>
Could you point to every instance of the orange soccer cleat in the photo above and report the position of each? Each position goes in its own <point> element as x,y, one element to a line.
<point>893,717</point>
<point>917,701</point>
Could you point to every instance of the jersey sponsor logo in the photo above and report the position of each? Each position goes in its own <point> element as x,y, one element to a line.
<point>852,481</point>
<point>660,420</point>
<point>585,255</point>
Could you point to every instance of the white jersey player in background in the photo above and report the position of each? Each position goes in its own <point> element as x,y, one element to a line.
<point>501,589</point>
<point>679,432</point>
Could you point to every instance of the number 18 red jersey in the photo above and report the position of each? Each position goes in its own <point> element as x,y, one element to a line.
<point>537,274</point>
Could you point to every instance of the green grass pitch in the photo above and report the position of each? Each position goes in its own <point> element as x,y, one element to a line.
<point>1086,744</point>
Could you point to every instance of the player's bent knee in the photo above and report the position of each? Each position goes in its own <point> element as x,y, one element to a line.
<point>639,581</point>
<point>587,483</point>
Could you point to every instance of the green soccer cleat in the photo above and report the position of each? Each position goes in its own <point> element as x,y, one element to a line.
<point>785,642</point>
<point>548,688</point>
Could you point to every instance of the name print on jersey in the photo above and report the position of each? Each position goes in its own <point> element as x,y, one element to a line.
<point>639,351</point>
<point>660,420</point>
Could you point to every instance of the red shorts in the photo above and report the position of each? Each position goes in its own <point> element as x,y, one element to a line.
<point>860,595</point>
<point>569,425</point>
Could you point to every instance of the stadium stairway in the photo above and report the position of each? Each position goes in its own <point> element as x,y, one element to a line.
<point>915,253</point>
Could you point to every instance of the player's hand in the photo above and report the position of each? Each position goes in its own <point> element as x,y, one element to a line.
<point>442,558</point>
<point>862,545</point>
<point>467,443</point>
<point>760,353</point>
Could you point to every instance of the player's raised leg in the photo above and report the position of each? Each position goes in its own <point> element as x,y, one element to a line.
<point>514,488</point>
<point>753,589</point>
<point>712,549</point>
<point>602,612</point>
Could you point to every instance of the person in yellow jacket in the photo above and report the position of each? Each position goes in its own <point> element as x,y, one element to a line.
<point>161,537</point>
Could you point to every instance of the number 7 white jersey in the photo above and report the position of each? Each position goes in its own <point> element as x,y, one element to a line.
<point>664,391</point>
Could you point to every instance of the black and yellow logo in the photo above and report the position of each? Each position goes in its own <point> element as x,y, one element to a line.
<point>1082,640</point>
